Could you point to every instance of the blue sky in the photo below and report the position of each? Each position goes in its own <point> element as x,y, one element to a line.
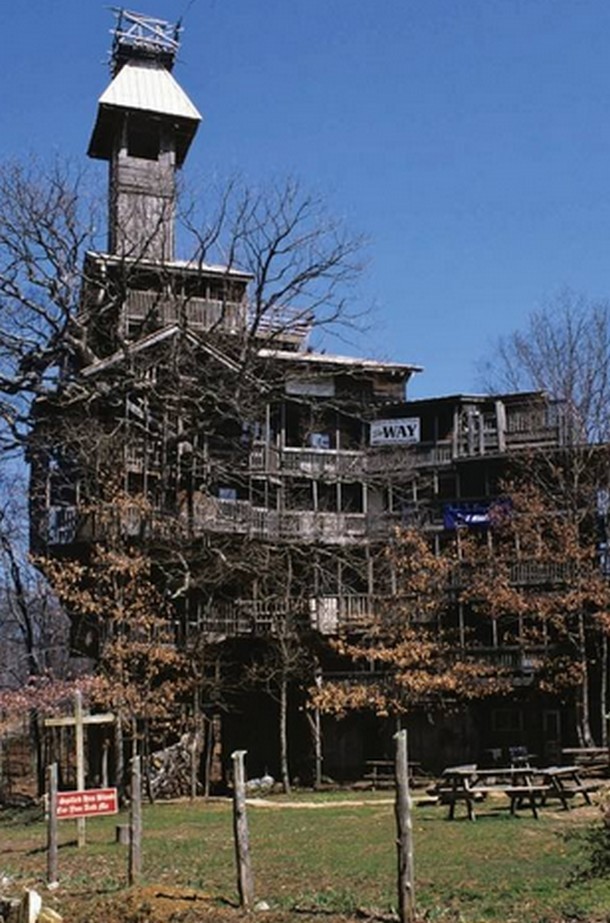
<point>468,139</point>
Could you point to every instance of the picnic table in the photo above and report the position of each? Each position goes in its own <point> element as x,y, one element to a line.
<point>565,782</point>
<point>524,786</point>
<point>381,772</point>
<point>588,759</point>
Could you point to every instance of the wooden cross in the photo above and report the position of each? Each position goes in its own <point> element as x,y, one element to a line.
<point>78,722</point>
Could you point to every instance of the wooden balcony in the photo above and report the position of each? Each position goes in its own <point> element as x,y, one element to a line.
<point>246,618</point>
<point>65,525</point>
<point>281,325</point>
<point>211,514</point>
<point>315,463</point>
<point>326,614</point>
<point>162,310</point>
<point>61,525</point>
<point>532,573</point>
<point>530,428</point>
<point>321,462</point>
<point>521,663</point>
<point>255,617</point>
<point>517,664</point>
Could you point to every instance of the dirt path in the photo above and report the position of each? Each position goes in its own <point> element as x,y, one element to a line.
<point>348,803</point>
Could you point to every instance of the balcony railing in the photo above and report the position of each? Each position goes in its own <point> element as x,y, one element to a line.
<point>280,323</point>
<point>319,462</point>
<point>249,618</point>
<point>62,524</point>
<point>239,516</point>
<point>198,313</point>
<point>326,614</point>
<point>307,461</point>
<point>516,663</point>
<point>523,574</point>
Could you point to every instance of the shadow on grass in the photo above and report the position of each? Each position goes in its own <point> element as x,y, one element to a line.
<point>37,850</point>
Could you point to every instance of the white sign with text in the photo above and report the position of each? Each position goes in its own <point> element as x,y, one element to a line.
<point>405,431</point>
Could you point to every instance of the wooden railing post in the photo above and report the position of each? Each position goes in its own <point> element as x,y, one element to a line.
<point>135,824</point>
<point>52,838</point>
<point>404,831</point>
<point>245,881</point>
<point>80,761</point>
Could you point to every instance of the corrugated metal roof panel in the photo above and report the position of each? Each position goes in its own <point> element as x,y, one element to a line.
<point>194,267</point>
<point>318,358</point>
<point>149,88</point>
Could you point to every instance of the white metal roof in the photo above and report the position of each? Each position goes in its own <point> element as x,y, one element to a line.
<point>146,86</point>
<point>196,267</point>
<point>319,358</point>
<point>467,397</point>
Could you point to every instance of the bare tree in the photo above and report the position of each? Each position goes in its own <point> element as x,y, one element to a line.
<point>33,628</point>
<point>46,223</point>
<point>299,255</point>
<point>564,349</point>
<point>303,263</point>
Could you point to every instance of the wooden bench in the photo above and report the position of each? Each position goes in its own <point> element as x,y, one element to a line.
<point>590,760</point>
<point>455,786</point>
<point>379,772</point>
<point>525,796</point>
<point>451,796</point>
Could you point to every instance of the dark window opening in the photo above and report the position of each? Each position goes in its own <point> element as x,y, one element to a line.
<point>258,495</point>
<point>299,496</point>
<point>351,498</point>
<point>350,432</point>
<point>447,485</point>
<point>327,497</point>
<point>143,139</point>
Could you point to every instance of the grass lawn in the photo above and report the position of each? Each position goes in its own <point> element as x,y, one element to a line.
<point>331,855</point>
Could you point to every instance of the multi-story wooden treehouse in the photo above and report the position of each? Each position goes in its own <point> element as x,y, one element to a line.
<point>264,475</point>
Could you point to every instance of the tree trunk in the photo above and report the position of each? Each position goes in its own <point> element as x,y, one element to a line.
<point>404,832</point>
<point>315,726</point>
<point>146,754</point>
<point>284,734</point>
<point>37,746</point>
<point>245,879</point>
<point>208,754</point>
<point>119,769</point>
<point>583,705</point>
<point>603,692</point>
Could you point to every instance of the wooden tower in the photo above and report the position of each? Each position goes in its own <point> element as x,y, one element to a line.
<point>145,125</point>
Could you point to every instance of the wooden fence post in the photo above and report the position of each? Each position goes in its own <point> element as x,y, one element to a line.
<point>404,831</point>
<point>52,844</point>
<point>245,881</point>
<point>80,761</point>
<point>135,824</point>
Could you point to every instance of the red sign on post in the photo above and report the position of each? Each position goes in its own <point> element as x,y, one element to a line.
<point>89,803</point>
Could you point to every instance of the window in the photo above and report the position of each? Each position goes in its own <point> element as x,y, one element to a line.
<point>351,498</point>
<point>299,495</point>
<point>319,440</point>
<point>143,139</point>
